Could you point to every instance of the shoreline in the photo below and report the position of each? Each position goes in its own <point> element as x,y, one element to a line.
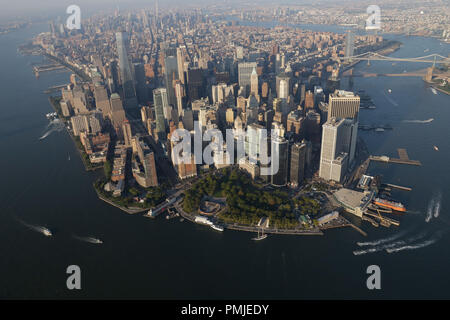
<point>80,152</point>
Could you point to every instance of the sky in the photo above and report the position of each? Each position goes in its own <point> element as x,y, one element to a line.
<point>14,8</point>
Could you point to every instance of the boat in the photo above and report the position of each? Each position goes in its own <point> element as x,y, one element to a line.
<point>426,50</point>
<point>95,240</point>
<point>396,206</point>
<point>434,91</point>
<point>379,130</point>
<point>261,236</point>
<point>390,90</point>
<point>436,148</point>
<point>46,232</point>
<point>217,227</point>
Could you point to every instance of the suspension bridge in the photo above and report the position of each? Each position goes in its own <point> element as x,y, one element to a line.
<point>373,56</point>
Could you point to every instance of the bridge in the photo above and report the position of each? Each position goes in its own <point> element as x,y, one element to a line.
<point>431,58</point>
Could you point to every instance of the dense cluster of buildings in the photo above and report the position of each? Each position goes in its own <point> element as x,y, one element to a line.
<point>150,75</point>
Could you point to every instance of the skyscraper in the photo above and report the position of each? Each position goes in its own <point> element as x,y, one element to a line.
<point>126,76</point>
<point>160,100</point>
<point>343,104</point>
<point>195,83</point>
<point>334,151</point>
<point>171,74</point>
<point>245,70</point>
<point>298,161</point>
<point>280,150</point>
<point>349,44</point>
<point>254,83</point>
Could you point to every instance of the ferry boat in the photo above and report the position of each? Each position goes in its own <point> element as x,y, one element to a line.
<point>396,206</point>
<point>46,232</point>
<point>217,227</point>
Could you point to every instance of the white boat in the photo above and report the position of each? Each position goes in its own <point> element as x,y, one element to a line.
<point>261,236</point>
<point>95,240</point>
<point>436,148</point>
<point>217,227</point>
<point>434,90</point>
<point>379,130</point>
<point>46,232</point>
<point>389,90</point>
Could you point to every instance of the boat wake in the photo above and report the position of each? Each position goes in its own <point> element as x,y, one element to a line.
<point>88,239</point>
<point>390,99</point>
<point>434,207</point>
<point>435,238</point>
<point>54,126</point>
<point>382,241</point>
<point>419,121</point>
<point>39,229</point>
<point>384,244</point>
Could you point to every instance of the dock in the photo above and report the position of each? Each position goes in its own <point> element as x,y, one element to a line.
<point>398,187</point>
<point>403,159</point>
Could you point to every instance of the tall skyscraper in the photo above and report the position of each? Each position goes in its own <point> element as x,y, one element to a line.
<point>148,176</point>
<point>171,74</point>
<point>245,70</point>
<point>254,83</point>
<point>298,161</point>
<point>334,156</point>
<point>160,100</point>
<point>349,44</point>
<point>195,83</point>
<point>126,76</point>
<point>286,85</point>
<point>102,100</point>
<point>280,149</point>
<point>343,104</point>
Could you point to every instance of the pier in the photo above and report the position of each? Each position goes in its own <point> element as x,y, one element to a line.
<point>398,187</point>
<point>403,159</point>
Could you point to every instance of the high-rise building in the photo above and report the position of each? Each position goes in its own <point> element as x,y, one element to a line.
<point>102,101</point>
<point>254,83</point>
<point>195,83</point>
<point>297,164</point>
<point>309,100</point>
<point>334,151</point>
<point>280,150</point>
<point>144,170</point>
<point>179,94</point>
<point>126,76</point>
<point>283,89</point>
<point>171,74</point>
<point>349,44</point>
<point>141,83</point>
<point>286,89</point>
<point>343,104</point>
<point>117,112</point>
<point>180,63</point>
<point>245,70</point>
<point>294,124</point>
<point>126,128</point>
<point>160,100</point>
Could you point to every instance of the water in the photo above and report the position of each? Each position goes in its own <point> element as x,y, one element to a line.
<point>143,258</point>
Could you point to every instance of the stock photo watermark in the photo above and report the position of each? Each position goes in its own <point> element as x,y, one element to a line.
<point>373,22</point>
<point>74,280</point>
<point>73,22</point>
<point>374,280</point>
